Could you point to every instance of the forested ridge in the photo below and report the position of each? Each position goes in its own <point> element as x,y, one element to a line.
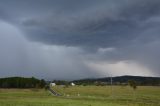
<point>120,80</point>
<point>21,82</point>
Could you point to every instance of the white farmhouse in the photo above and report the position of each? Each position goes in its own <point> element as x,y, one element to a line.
<point>72,84</point>
<point>52,84</point>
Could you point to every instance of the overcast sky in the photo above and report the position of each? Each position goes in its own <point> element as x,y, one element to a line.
<point>74,39</point>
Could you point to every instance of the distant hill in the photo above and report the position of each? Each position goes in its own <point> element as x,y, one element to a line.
<point>21,82</point>
<point>140,80</point>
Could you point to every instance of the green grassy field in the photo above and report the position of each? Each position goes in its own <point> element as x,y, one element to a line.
<point>82,96</point>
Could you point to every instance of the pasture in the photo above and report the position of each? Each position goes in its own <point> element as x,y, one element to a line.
<point>82,96</point>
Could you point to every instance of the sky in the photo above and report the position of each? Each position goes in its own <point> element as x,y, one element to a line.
<point>75,39</point>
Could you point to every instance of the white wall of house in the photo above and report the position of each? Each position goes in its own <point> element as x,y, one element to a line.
<point>72,84</point>
<point>52,84</point>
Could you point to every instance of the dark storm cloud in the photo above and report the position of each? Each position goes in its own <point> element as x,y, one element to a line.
<point>109,30</point>
<point>82,23</point>
<point>3,14</point>
<point>97,26</point>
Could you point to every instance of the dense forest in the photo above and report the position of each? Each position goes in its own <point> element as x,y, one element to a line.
<point>20,82</point>
<point>121,80</point>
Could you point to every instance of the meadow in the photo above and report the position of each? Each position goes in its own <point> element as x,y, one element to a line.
<point>83,96</point>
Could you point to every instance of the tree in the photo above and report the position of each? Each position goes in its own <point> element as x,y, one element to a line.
<point>132,84</point>
<point>42,83</point>
<point>47,87</point>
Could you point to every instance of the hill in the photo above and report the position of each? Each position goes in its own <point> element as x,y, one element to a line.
<point>140,80</point>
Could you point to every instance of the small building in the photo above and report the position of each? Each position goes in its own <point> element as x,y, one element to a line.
<point>52,84</point>
<point>72,84</point>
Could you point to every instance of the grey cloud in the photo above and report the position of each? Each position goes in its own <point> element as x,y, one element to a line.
<point>103,25</point>
<point>130,27</point>
<point>22,58</point>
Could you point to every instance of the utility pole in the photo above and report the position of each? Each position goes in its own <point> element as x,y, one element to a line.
<point>111,85</point>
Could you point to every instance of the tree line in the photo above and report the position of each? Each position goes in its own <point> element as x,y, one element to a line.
<point>21,82</point>
<point>121,80</point>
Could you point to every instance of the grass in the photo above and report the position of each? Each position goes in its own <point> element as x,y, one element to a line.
<point>82,96</point>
